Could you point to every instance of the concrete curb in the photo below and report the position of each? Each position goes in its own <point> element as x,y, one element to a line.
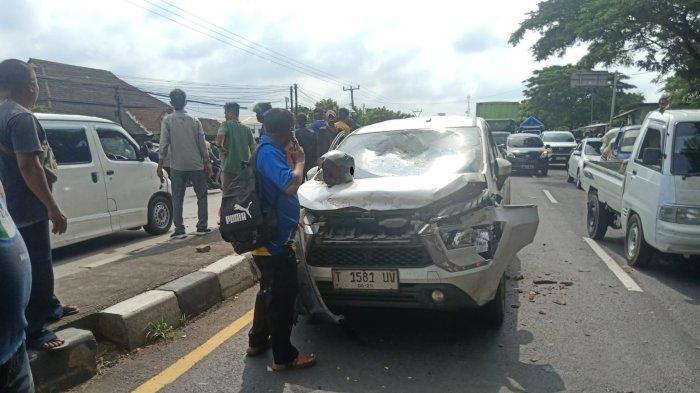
<point>68,366</point>
<point>127,323</point>
<point>235,274</point>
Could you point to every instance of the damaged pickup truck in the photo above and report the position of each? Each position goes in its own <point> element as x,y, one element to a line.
<point>424,222</point>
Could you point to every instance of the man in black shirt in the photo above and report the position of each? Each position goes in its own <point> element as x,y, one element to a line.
<point>307,139</point>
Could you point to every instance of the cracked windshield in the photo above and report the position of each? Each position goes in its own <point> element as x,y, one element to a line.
<point>227,196</point>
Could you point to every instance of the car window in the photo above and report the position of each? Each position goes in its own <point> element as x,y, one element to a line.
<point>652,140</point>
<point>116,145</point>
<point>593,148</point>
<point>561,136</point>
<point>627,142</point>
<point>525,140</point>
<point>415,152</point>
<point>686,149</point>
<point>69,145</point>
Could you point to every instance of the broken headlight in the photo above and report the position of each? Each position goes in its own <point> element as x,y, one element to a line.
<point>477,237</point>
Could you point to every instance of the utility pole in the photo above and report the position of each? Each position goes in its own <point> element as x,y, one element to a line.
<point>118,101</point>
<point>469,105</point>
<point>286,102</point>
<point>291,97</point>
<point>614,93</point>
<point>352,95</point>
<point>296,100</point>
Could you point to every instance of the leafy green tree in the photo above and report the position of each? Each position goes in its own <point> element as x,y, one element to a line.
<point>366,116</point>
<point>655,35</point>
<point>549,97</point>
<point>683,93</point>
<point>326,104</point>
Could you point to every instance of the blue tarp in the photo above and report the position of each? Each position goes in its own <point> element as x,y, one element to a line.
<point>531,124</point>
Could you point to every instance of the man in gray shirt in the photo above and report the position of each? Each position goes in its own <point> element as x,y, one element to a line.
<point>182,142</point>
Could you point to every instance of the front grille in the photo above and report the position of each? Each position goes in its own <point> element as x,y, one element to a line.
<point>562,150</point>
<point>359,256</point>
<point>532,154</point>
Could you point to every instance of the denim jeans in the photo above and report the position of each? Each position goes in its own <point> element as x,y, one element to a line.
<point>15,375</point>
<point>43,305</point>
<point>199,183</point>
<point>274,305</point>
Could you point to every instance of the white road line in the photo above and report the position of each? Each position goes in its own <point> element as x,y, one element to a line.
<point>549,196</point>
<point>621,275</point>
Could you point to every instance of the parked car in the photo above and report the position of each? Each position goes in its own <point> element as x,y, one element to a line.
<point>587,150</point>
<point>106,183</point>
<point>561,143</point>
<point>655,197</point>
<point>425,223</point>
<point>526,152</point>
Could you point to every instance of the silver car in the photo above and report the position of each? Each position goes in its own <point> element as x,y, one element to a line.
<point>425,223</point>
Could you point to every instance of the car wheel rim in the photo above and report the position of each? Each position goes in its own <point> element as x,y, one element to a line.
<point>161,215</point>
<point>632,239</point>
<point>592,209</point>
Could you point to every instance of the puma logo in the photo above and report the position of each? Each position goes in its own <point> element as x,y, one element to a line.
<point>243,209</point>
<point>244,214</point>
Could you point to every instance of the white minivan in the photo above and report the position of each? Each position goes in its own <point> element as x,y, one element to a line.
<point>105,182</point>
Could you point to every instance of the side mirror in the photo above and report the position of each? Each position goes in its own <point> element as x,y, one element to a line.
<point>651,156</point>
<point>312,172</point>
<point>503,170</point>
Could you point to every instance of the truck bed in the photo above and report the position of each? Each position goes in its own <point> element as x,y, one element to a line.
<point>608,178</point>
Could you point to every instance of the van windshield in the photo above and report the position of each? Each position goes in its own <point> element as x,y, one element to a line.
<point>686,149</point>
<point>560,136</point>
<point>414,152</point>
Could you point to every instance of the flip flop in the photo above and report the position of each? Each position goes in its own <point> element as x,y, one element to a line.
<point>70,310</point>
<point>304,360</point>
<point>45,336</point>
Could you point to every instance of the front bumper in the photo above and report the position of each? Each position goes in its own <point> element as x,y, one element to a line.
<point>528,163</point>
<point>677,238</point>
<point>468,284</point>
<point>559,158</point>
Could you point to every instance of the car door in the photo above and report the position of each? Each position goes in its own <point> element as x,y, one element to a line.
<point>80,190</point>
<point>643,182</point>
<point>573,165</point>
<point>128,177</point>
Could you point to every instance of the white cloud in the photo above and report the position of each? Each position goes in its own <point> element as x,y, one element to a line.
<point>420,53</point>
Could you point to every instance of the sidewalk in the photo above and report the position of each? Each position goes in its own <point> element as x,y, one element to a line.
<point>98,288</point>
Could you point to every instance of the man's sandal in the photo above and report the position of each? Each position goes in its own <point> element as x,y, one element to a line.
<point>70,310</point>
<point>302,361</point>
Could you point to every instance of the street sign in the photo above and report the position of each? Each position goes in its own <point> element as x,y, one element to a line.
<point>590,79</point>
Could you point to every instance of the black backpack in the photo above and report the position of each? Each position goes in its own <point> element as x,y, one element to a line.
<point>245,220</point>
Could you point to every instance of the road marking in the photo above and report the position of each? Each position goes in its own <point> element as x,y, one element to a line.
<point>621,275</point>
<point>549,196</point>
<point>177,369</point>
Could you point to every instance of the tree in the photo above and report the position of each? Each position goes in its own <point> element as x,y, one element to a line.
<point>549,97</point>
<point>681,91</point>
<point>326,104</point>
<point>366,116</point>
<point>655,35</point>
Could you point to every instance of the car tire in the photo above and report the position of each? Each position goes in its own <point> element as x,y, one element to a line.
<point>637,251</point>
<point>569,178</point>
<point>578,179</point>
<point>160,215</point>
<point>494,312</point>
<point>597,218</point>
<point>544,171</point>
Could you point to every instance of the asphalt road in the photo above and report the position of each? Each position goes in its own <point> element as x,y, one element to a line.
<point>100,251</point>
<point>594,335</point>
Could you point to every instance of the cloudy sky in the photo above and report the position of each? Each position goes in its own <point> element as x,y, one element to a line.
<point>427,56</point>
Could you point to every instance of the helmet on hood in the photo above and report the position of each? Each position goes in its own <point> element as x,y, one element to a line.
<point>338,167</point>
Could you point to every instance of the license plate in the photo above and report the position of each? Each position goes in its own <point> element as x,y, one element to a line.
<point>528,166</point>
<point>379,280</point>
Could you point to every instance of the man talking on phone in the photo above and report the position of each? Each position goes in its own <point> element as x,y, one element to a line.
<point>279,181</point>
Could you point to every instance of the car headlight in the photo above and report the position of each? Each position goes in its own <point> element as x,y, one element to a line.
<point>545,153</point>
<point>510,155</point>
<point>477,237</point>
<point>680,214</point>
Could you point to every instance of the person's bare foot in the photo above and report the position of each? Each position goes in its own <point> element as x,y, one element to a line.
<point>52,344</point>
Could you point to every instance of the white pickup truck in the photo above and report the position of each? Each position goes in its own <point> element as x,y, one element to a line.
<point>655,194</point>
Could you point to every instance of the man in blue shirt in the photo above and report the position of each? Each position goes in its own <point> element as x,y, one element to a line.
<point>280,178</point>
<point>15,287</point>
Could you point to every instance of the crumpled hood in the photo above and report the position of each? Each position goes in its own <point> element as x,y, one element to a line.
<point>384,193</point>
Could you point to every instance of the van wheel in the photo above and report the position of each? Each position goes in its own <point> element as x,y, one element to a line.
<point>544,171</point>
<point>494,311</point>
<point>637,251</point>
<point>598,217</point>
<point>160,215</point>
